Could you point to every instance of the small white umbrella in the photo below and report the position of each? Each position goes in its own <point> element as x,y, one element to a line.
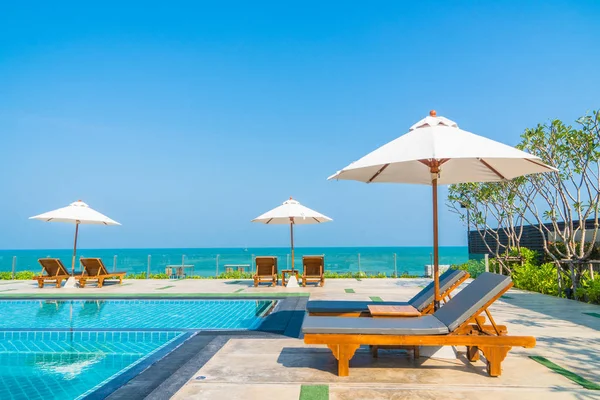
<point>435,151</point>
<point>76,213</point>
<point>293,213</point>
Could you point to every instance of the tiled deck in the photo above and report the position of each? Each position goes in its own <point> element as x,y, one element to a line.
<point>277,367</point>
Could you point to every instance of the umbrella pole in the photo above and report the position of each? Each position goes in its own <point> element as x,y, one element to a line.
<point>74,248</point>
<point>436,272</point>
<point>292,240</point>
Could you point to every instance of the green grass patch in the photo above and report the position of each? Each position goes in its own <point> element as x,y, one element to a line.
<point>376,298</point>
<point>240,290</point>
<point>314,392</point>
<point>506,297</point>
<point>165,287</point>
<point>566,373</point>
<point>593,314</point>
<point>349,291</point>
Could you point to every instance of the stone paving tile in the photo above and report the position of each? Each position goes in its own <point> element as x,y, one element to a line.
<point>220,391</point>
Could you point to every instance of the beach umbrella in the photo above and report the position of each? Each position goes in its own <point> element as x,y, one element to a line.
<point>435,152</point>
<point>76,213</point>
<point>293,213</point>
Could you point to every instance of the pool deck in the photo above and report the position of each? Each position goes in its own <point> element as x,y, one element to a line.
<point>278,366</point>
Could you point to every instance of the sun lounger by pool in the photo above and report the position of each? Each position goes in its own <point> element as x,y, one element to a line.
<point>422,302</point>
<point>94,270</point>
<point>55,271</point>
<point>266,270</point>
<point>314,270</point>
<point>458,323</point>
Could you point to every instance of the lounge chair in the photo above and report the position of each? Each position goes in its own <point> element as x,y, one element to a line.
<point>94,270</point>
<point>422,301</point>
<point>266,270</point>
<point>458,323</point>
<point>55,271</point>
<point>314,269</point>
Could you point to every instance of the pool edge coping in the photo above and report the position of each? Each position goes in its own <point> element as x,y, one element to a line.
<point>148,296</point>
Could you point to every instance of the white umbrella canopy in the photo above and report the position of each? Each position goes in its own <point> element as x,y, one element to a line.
<point>293,213</point>
<point>292,210</point>
<point>76,213</point>
<point>435,152</point>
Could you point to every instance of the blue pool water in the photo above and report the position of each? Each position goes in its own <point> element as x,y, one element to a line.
<point>70,365</point>
<point>133,314</point>
<point>67,349</point>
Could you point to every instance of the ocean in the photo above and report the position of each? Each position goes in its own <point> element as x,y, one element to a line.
<point>212,261</point>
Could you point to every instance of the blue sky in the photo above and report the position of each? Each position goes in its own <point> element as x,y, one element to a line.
<point>183,121</point>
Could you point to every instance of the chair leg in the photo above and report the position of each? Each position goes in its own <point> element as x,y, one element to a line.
<point>100,282</point>
<point>40,283</point>
<point>494,357</point>
<point>472,353</point>
<point>343,353</point>
<point>58,282</point>
<point>375,351</point>
<point>121,280</point>
<point>322,283</point>
<point>255,282</point>
<point>82,283</point>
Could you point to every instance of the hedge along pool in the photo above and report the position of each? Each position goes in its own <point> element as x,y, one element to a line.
<point>66,349</point>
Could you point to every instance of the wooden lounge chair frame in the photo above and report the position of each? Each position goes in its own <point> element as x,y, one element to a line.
<point>266,270</point>
<point>55,271</point>
<point>314,270</point>
<point>491,340</point>
<point>96,272</point>
<point>446,296</point>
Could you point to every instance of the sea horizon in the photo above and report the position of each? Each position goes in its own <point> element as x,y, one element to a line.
<point>211,261</point>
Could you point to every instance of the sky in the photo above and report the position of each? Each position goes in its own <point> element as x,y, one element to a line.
<point>183,121</point>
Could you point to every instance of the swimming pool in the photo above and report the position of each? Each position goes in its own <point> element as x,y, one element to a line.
<point>69,349</point>
<point>133,314</point>
<point>71,365</point>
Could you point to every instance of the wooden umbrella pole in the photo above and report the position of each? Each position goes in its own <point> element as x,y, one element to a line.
<point>436,273</point>
<point>292,239</point>
<point>74,248</point>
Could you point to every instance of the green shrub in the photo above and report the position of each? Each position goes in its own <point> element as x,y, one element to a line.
<point>25,275</point>
<point>159,276</point>
<point>407,275</point>
<point>473,267</point>
<point>5,275</point>
<point>141,275</point>
<point>589,290</point>
<point>336,275</point>
<point>237,275</point>
<point>539,278</point>
<point>359,275</point>
<point>529,256</point>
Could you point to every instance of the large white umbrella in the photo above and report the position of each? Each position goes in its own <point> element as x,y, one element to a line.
<point>293,213</point>
<point>436,151</point>
<point>76,213</point>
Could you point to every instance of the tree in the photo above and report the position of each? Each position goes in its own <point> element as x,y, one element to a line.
<point>565,200</point>
<point>496,211</point>
<point>559,204</point>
